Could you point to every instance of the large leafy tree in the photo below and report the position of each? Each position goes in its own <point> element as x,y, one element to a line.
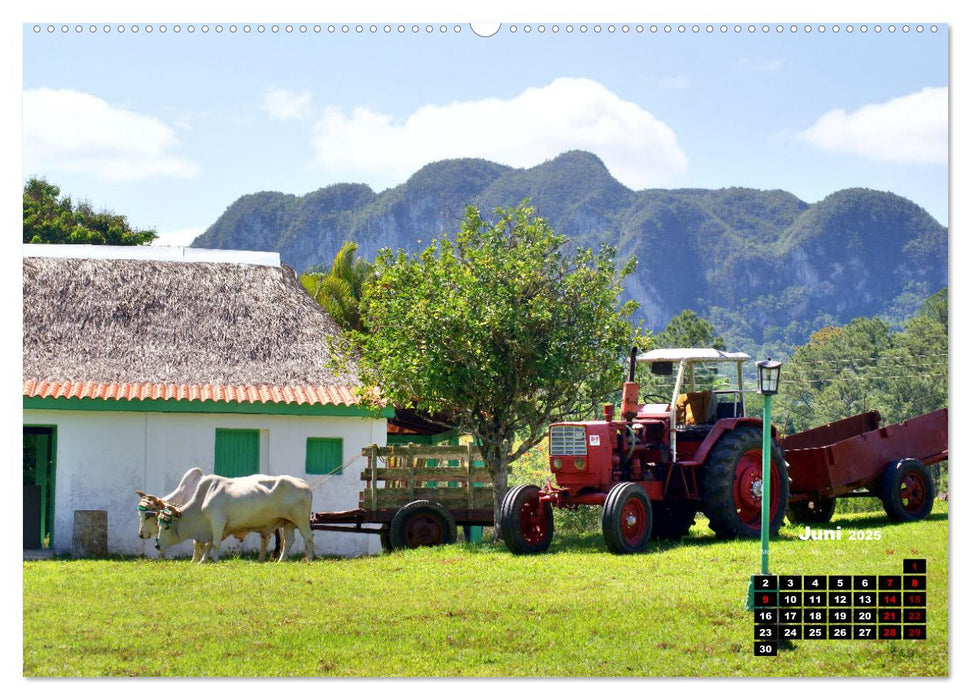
<point>50,218</point>
<point>499,329</point>
<point>339,290</point>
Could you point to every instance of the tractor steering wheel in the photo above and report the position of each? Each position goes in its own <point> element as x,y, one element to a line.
<point>660,399</point>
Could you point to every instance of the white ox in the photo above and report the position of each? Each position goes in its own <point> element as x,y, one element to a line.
<point>221,505</point>
<point>149,507</point>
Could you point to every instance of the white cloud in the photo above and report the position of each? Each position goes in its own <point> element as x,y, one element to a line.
<point>180,237</point>
<point>539,124</point>
<point>284,104</point>
<point>908,129</point>
<point>70,131</point>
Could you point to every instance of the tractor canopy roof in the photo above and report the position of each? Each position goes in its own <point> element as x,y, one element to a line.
<point>692,355</point>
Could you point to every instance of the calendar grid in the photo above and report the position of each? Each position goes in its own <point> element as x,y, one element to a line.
<point>790,608</point>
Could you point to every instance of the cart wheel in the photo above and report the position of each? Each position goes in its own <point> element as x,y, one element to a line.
<point>421,524</point>
<point>817,511</point>
<point>907,491</point>
<point>731,485</point>
<point>526,522</point>
<point>627,518</point>
<point>671,520</point>
<point>386,542</point>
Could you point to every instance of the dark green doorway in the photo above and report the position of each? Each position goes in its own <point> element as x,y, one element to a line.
<point>38,486</point>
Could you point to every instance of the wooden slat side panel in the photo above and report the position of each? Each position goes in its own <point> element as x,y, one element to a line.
<point>425,451</point>
<point>479,474</point>
<point>450,498</point>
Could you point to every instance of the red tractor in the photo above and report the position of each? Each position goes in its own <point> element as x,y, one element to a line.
<point>660,463</point>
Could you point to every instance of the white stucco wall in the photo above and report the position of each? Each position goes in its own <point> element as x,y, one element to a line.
<point>103,457</point>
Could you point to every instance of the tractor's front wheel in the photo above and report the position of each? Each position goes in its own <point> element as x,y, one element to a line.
<point>731,485</point>
<point>907,491</point>
<point>525,521</point>
<point>627,518</point>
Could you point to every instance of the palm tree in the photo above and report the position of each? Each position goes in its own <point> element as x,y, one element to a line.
<point>339,290</point>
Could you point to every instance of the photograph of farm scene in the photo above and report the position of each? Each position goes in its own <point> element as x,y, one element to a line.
<point>485,350</point>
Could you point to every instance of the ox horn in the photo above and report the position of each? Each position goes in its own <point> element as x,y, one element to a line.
<point>141,494</point>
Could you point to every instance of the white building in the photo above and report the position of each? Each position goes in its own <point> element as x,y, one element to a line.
<point>140,363</point>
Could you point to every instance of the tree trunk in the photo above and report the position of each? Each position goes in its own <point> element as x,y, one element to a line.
<point>499,488</point>
<point>497,462</point>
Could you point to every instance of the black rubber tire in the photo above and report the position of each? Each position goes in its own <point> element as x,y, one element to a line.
<point>907,491</point>
<point>811,512</point>
<point>671,521</point>
<point>627,518</point>
<point>421,524</point>
<point>726,517</point>
<point>386,542</point>
<point>525,538</point>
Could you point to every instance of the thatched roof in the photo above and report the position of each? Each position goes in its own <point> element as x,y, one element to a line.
<point>150,321</point>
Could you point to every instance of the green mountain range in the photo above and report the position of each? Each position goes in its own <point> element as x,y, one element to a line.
<point>764,266</point>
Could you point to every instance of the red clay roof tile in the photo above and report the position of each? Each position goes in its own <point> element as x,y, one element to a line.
<point>334,395</point>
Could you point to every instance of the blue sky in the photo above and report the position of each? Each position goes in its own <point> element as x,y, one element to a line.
<point>171,128</point>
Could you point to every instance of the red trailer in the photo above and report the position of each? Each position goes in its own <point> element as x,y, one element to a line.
<point>856,457</point>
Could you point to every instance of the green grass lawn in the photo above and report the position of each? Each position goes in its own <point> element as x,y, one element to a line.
<point>470,610</point>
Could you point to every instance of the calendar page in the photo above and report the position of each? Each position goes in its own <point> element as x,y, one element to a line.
<point>547,345</point>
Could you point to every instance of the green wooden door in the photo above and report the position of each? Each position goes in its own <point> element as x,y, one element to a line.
<point>38,487</point>
<point>237,452</point>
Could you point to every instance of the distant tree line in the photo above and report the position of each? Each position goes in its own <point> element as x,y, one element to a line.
<point>50,218</point>
<point>865,365</point>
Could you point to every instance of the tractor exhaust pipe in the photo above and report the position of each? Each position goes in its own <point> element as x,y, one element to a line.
<point>628,397</point>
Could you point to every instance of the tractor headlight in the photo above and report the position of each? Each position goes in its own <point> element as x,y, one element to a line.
<point>579,464</point>
<point>557,464</point>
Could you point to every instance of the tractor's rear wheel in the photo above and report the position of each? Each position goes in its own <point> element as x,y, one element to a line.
<point>907,491</point>
<point>819,510</point>
<point>731,485</point>
<point>672,520</point>
<point>421,524</point>
<point>526,522</point>
<point>627,518</point>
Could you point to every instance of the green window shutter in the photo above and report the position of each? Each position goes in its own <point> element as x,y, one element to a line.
<point>324,455</point>
<point>237,452</point>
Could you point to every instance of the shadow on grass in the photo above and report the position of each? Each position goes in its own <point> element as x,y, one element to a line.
<point>234,556</point>
<point>592,541</point>
<point>847,520</point>
<point>563,541</point>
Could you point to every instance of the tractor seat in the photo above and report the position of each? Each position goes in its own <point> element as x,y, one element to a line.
<point>697,408</point>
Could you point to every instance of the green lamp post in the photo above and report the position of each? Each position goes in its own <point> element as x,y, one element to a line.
<point>768,386</point>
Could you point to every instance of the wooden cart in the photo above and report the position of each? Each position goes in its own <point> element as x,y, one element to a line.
<point>417,496</point>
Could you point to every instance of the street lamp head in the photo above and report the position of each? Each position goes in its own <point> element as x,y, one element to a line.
<point>769,376</point>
